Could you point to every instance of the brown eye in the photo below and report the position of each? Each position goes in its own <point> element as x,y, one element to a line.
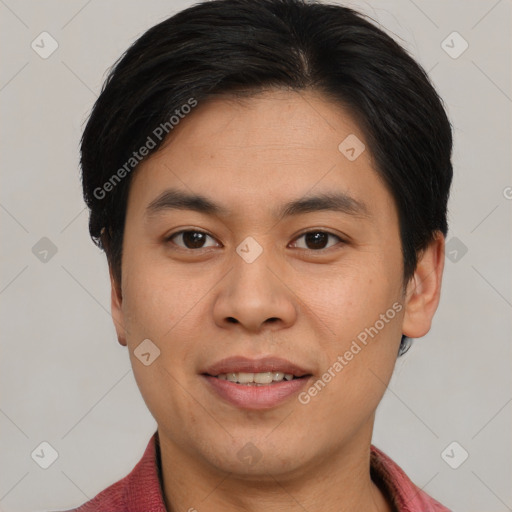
<point>317,240</point>
<point>191,239</point>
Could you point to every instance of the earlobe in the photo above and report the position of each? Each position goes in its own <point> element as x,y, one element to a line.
<point>424,289</point>
<point>117,309</point>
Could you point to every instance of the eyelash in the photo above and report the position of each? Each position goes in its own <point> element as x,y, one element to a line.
<point>170,237</point>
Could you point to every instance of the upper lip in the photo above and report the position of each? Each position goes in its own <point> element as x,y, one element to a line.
<point>237,364</point>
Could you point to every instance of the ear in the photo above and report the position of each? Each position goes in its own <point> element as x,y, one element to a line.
<point>116,303</point>
<point>424,289</point>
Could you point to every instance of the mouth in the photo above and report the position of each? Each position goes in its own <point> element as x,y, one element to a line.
<point>246,370</point>
<point>255,383</point>
<point>257,379</point>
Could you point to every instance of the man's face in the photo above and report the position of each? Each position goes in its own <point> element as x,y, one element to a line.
<point>257,285</point>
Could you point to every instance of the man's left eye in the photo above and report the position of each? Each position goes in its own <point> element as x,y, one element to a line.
<point>318,239</point>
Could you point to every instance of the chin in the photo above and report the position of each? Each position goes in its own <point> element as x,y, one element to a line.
<point>257,460</point>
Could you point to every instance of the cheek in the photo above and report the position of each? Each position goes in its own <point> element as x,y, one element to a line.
<point>155,298</point>
<point>359,311</point>
<point>157,308</point>
<point>348,298</point>
<point>162,305</point>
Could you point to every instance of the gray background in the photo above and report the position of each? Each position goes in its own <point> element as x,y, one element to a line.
<point>66,380</point>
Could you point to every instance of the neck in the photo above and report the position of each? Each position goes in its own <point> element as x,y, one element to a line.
<point>340,482</point>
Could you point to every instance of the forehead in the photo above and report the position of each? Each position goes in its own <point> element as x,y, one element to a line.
<point>277,145</point>
<point>270,123</point>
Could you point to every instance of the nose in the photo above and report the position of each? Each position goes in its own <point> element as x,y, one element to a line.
<point>255,295</point>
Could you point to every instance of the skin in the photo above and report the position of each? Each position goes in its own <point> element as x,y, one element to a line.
<point>252,156</point>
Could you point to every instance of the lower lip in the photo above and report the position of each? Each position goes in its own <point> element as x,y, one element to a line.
<point>256,397</point>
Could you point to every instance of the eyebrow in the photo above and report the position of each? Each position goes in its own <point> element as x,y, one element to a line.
<point>174,199</point>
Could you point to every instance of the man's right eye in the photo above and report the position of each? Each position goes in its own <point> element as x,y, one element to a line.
<point>191,239</point>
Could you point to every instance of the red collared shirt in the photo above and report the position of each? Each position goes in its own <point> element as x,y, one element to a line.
<point>141,490</point>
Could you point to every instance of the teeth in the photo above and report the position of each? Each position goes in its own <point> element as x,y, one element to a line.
<point>245,378</point>
<point>263,378</point>
<point>255,378</point>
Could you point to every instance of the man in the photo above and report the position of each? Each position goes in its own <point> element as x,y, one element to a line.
<point>269,180</point>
